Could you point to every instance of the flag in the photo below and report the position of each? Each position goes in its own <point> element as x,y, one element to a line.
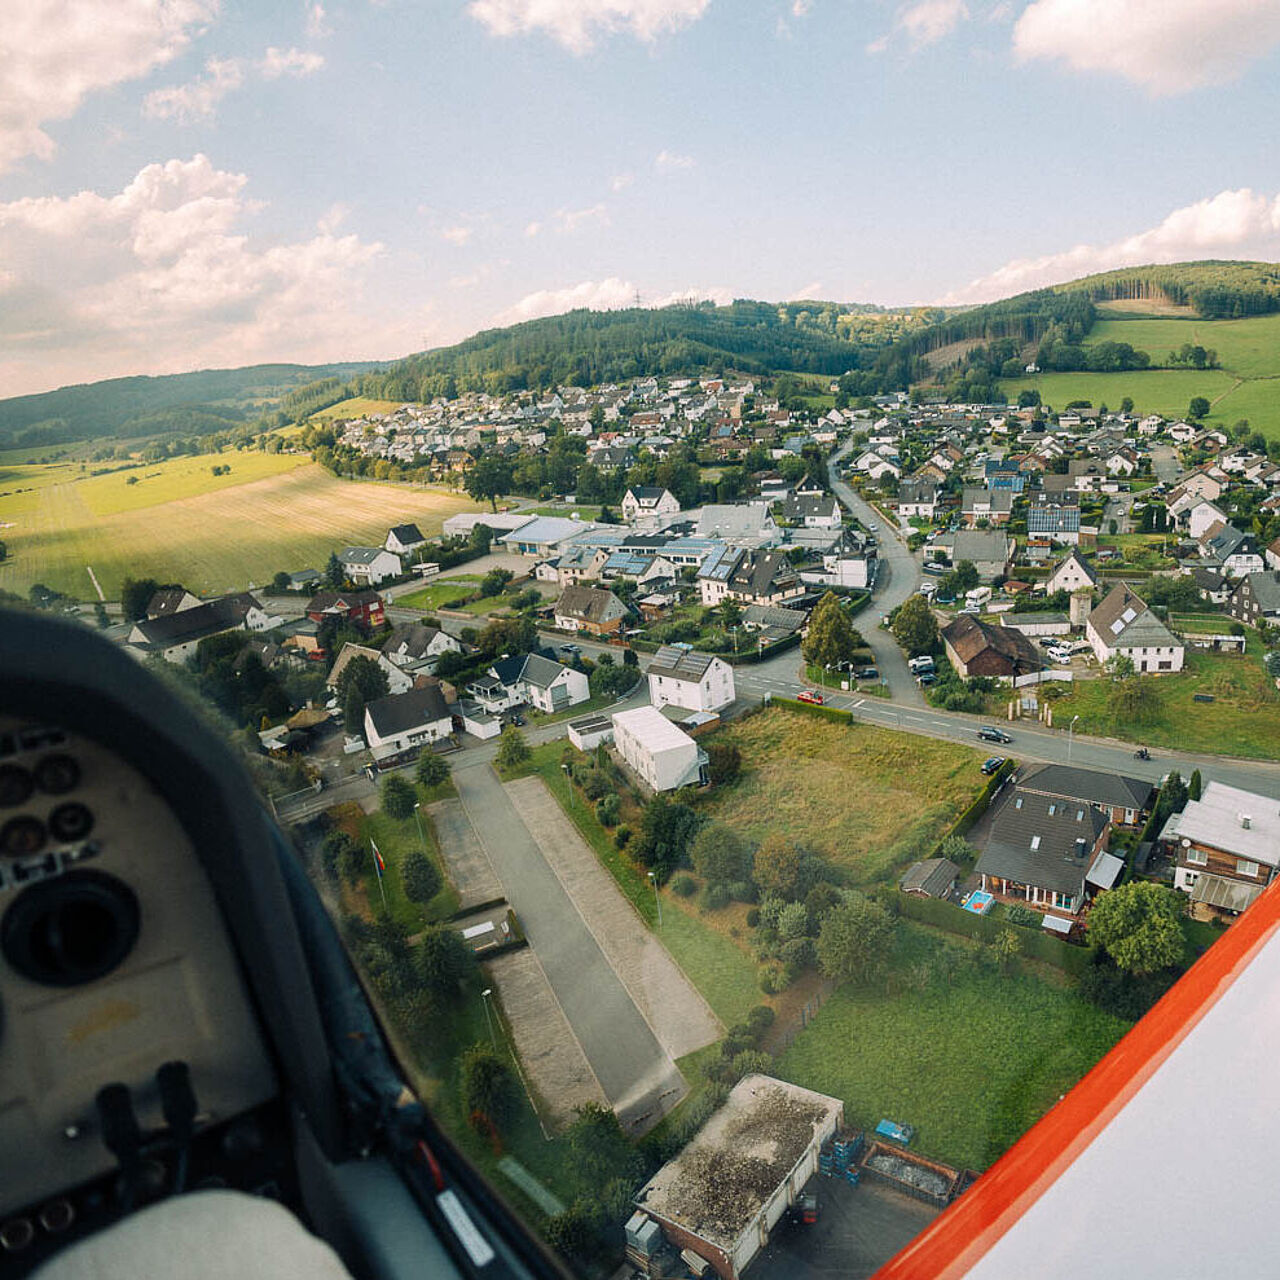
<point>378,864</point>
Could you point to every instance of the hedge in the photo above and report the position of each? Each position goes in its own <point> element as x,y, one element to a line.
<point>1037,946</point>
<point>812,709</point>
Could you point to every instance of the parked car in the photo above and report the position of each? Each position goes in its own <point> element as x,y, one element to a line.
<point>571,648</point>
<point>516,719</point>
<point>867,673</point>
<point>991,764</point>
<point>989,733</point>
<point>810,695</point>
<point>926,679</point>
<point>1060,655</point>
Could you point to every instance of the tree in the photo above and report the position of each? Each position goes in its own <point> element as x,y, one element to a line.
<point>1007,946</point>
<point>1135,698</point>
<point>785,869</point>
<point>1139,926</point>
<point>335,575</point>
<point>508,636</point>
<point>488,1086</point>
<point>720,855</point>
<point>666,829</point>
<point>855,939</point>
<point>601,1151</point>
<point>481,538</point>
<point>361,682</point>
<point>915,627</point>
<point>1195,786</point>
<point>831,638</point>
<point>431,769</point>
<point>493,582</point>
<point>1126,404</point>
<point>134,596</point>
<point>490,478</point>
<point>513,750</point>
<point>398,797</point>
<point>1198,408</point>
<point>420,878</point>
<point>967,576</point>
<point>4,550</point>
<point>444,960</point>
<point>281,581</point>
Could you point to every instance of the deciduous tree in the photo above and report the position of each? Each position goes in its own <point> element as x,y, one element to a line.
<point>1139,926</point>
<point>915,627</point>
<point>719,854</point>
<point>420,878</point>
<point>855,939</point>
<point>398,797</point>
<point>831,638</point>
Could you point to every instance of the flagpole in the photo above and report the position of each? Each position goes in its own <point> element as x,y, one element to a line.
<point>377,867</point>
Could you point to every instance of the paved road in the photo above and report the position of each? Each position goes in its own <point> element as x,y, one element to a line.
<point>1164,463</point>
<point>898,578</point>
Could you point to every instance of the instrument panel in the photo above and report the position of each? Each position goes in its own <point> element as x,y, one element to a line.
<point>114,961</point>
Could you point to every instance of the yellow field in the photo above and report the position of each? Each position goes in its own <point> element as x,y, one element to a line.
<point>180,523</point>
<point>357,407</point>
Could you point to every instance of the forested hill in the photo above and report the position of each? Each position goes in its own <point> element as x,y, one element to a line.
<point>1214,290</point>
<point>190,403</point>
<point>591,347</point>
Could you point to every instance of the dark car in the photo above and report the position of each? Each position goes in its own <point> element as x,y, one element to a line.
<point>988,733</point>
<point>926,679</point>
<point>991,764</point>
<point>516,719</point>
<point>867,673</point>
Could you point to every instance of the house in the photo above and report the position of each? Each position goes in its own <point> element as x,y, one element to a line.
<point>397,680</point>
<point>848,563</point>
<point>369,565</point>
<point>1226,845</point>
<point>590,609</point>
<point>1257,598</point>
<point>1199,515</point>
<point>994,506</point>
<point>1123,625</point>
<point>646,504</point>
<point>1047,852</point>
<point>532,679</point>
<point>361,607</point>
<point>403,539</point>
<point>543,535</point>
<point>743,526</point>
<point>304,580</point>
<point>1073,573</point>
<point>1055,516</point>
<point>813,510</point>
<point>1231,550</point>
<point>174,636</point>
<point>764,577</point>
<point>659,752</point>
<point>918,496</point>
<point>1272,554</point>
<point>685,678</point>
<point>1126,801</point>
<point>976,648</point>
<point>413,643</point>
<point>170,600</point>
<point>1088,475</point>
<point>990,551</point>
<point>932,878</point>
<point>1212,586</point>
<point>404,722</point>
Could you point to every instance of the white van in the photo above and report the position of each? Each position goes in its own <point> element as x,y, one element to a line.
<point>978,596</point>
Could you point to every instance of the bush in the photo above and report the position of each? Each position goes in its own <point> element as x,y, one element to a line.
<point>622,837</point>
<point>772,979</point>
<point>753,917</point>
<point>760,1019</point>
<point>797,953</point>
<point>1023,916</point>
<point>607,811</point>
<point>685,886</point>
<point>715,897</point>
<point>742,891</point>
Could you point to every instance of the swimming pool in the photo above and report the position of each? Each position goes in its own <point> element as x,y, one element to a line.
<point>979,902</point>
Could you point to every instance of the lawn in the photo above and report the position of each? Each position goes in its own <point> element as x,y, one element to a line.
<point>1249,348</point>
<point>720,969</point>
<point>870,800</point>
<point>969,1056</point>
<point>356,407</point>
<point>1243,719</point>
<point>440,591</point>
<point>180,523</point>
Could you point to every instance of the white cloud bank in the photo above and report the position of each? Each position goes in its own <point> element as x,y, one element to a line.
<point>611,294</point>
<point>161,277</point>
<point>577,24</point>
<point>54,53</point>
<point>198,100</point>
<point>1232,224</point>
<point>1165,46</point>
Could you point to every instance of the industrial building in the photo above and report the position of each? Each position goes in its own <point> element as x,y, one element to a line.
<point>660,753</point>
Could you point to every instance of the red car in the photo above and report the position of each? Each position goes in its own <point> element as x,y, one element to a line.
<point>809,695</point>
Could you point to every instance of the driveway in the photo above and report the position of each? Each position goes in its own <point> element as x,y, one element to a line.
<point>470,870</point>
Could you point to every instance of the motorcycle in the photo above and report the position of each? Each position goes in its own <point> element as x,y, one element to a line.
<point>1142,754</point>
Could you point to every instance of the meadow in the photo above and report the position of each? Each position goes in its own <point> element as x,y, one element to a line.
<point>181,523</point>
<point>356,407</point>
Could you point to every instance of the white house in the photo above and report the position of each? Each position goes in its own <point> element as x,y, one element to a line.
<point>659,752</point>
<point>685,678</point>
<point>813,510</point>
<point>529,678</point>
<point>404,538</point>
<point>1201,516</point>
<point>402,721</point>
<point>369,565</point>
<point>645,504</point>
<point>1122,625</point>
<point>1074,573</point>
<point>415,642</point>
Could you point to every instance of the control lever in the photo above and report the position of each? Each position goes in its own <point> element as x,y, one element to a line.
<point>122,1137</point>
<point>178,1103</point>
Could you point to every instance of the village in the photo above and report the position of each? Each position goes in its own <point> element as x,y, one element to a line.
<point>1091,595</point>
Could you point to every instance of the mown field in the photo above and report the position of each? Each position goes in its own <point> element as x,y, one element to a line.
<point>356,407</point>
<point>868,799</point>
<point>179,522</point>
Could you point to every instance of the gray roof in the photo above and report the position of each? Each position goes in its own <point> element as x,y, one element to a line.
<point>363,555</point>
<point>978,545</point>
<point>531,668</point>
<point>411,639</point>
<point>933,877</point>
<point>1043,841</point>
<point>407,533</point>
<point>1264,589</point>
<point>208,619</point>
<point>1216,820</point>
<point>680,664</point>
<point>1112,790</point>
<point>403,712</point>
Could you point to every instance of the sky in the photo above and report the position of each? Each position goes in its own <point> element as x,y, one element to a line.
<point>191,184</point>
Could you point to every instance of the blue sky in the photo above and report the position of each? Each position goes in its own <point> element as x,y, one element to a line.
<point>196,183</point>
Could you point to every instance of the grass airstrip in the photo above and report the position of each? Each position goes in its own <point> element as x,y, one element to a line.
<point>177,521</point>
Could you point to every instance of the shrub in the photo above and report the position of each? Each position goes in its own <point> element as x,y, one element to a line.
<point>742,891</point>
<point>797,953</point>
<point>685,886</point>
<point>772,979</point>
<point>607,810</point>
<point>622,837</point>
<point>1023,916</point>
<point>753,917</point>
<point>760,1019</point>
<point>714,897</point>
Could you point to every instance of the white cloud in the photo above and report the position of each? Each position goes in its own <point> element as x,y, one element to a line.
<point>54,53</point>
<point>577,23</point>
<point>533,229</point>
<point>189,103</point>
<point>1232,224</point>
<point>931,20</point>
<point>807,293</point>
<point>666,161</point>
<point>318,26</point>
<point>456,235</point>
<point>621,181</point>
<point>332,218</point>
<point>877,46</point>
<point>1166,46</point>
<point>570,221</point>
<point>801,8</point>
<point>611,294</point>
<point>163,276</point>
<point>289,62</point>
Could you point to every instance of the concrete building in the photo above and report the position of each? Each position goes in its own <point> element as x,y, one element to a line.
<point>683,677</point>
<point>723,1195</point>
<point>661,754</point>
<point>368,566</point>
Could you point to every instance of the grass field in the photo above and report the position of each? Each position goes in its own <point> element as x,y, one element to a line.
<point>1249,348</point>
<point>868,799</point>
<point>181,523</point>
<point>439,591</point>
<point>969,1056</point>
<point>357,407</point>
<point>1243,719</point>
<point>1163,391</point>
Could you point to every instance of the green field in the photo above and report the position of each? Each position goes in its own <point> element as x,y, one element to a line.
<point>1249,348</point>
<point>1163,391</point>
<point>439,591</point>
<point>181,523</point>
<point>969,1056</point>
<point>356,407</point>
<point>869,800</point>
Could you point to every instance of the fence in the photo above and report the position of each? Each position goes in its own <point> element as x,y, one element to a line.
<point>807,1015</point>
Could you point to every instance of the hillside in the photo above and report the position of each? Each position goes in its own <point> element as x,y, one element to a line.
<point>191,403</point>
<point>1212,289</point>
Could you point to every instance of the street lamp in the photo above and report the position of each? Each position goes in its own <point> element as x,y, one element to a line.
<point>484,1000</point>
<point>735,638</point>
<point>1071,736</point>
<point>656,897</point>
<point>417,817</point>
<point>568,782</point>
